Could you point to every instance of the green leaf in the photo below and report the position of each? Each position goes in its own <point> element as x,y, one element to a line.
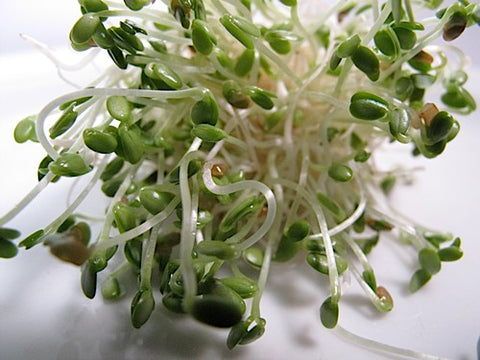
<point>208,133</point>
<point>451,253</point>
<point>130,144</point>
<point>154,198</point>
<point>241,29</point>
<point>429,260</point>
<point>368,106</point>
<point>218,249</point>
<point>289,2</point>
<point>118,57</point>
<point>88,280</point>
<point>254,257</point>
<point>279,41</point>
<point>243,286</point>
<point>422,61</point>
<point>119,108</point>
<point>205,111</point>
<point>329,313</point>
<point>340,172</point>
<point>261,97</point>
<point>173,303</point>
<point>84,28</point>
<point>193,167</point>
<point>103,142</point>
<point>93,5</point>
<point>245,62</point>
<point>125,217</point>
<point>7,248</point>
<point>286,250</point>
<point>399,124</point>
<point>439,127</point>
<point>419,279</point>
<point>367,62</point>
<point>69,165</point>
<point>248,206</point>
<point>133,252</point>
<point>32,240</point>
<point>423,81</point>
<point>349,46</point>
<point>370,279</point>
<point>136,5</point>
<point>255,332</point>
<point>331,205</point>
<point>8,233</point>
<point>162,72</point>
<point>236,334</point>
<point>142,307</point>
<point>319,262</point>
<point>404,87</point>
<point>216,311</point>
<point>334,61</point>
<point>203,38</point>
<point>25,130</point>
<point>64,122</point>
<point>111,289</point>
<point>406,37</point>
<point>102,38</point>
<point>298,230</point>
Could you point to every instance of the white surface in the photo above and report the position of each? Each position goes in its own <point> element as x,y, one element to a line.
<point>43,314</point>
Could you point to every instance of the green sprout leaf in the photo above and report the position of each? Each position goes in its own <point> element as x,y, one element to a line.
<point>84,28</point>
<point>103,142</point>
<point>205,111</point>
<point>208,133</point>
<point>340,172</point>
<point>203,38</point>
<point>142,307</point>
<point>218,249</point>
<point>64,122</point>
<point>429,260</point>
<point>298,230</point>
<point>385,42</point>
<point>70,165</point>
<point>367,62</point>
<point>154,198</point>
<point>419,279</point>
<point>25,130</point>
<point>7,248</point>
<point>216,311</point>
<point>348,47</point>
<point>329,313</point>
<point>367,106</point>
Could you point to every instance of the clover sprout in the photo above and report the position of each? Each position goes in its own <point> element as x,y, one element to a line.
<point>237,133</point>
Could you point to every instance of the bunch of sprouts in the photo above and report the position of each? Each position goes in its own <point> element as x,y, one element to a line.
<point>228,135</point>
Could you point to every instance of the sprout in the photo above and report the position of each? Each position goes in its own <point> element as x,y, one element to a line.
<point>25,130</point>
<point>367,62</point>
<point>84,28</point>
<point>103,142</point>
<point>367,106</point>
<point>216,311</point>
<point>231,134</point>
<point>64,122</point>
<point>329,313</point>
<point>203,38</point>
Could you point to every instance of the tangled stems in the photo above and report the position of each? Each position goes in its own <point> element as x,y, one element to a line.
<point>234,135</point>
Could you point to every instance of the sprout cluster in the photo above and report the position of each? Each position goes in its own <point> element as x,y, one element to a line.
<point>231,134</point>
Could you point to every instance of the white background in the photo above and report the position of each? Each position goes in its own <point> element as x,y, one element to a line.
<point>43,314</point>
